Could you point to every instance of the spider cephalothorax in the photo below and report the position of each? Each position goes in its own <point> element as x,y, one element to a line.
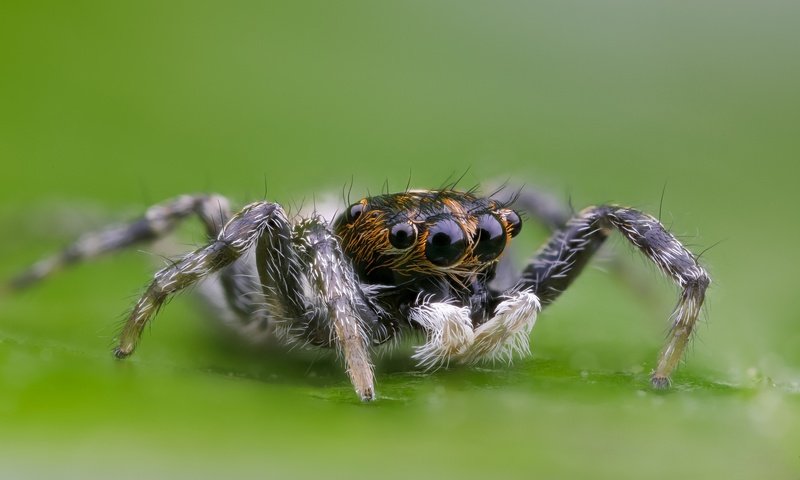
<point>396,238</point>
<point>418,260</point>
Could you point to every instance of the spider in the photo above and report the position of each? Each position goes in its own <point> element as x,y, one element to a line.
<point>429,261</point>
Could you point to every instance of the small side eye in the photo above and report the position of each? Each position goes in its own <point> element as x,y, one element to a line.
<point>513,220</point>
<point>402,235</point>
<point>490,238</point>
<point>353,212</point>
<point>446,243</point>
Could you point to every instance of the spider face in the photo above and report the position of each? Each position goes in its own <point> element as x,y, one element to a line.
<point>395,238</point>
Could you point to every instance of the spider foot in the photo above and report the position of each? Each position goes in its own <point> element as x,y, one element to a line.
<point>660,382</point>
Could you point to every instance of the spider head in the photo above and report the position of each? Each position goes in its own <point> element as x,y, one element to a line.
<point>422,233</point>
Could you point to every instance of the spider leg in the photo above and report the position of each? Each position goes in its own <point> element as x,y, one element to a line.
<point>314,294</point>
<point>235,282</point>
<point>158,221</point>
<point>234,239</point>
<point>553,213</point>
<point>563,257</point>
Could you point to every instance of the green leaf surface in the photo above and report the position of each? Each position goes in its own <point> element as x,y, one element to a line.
<point>106,107</point>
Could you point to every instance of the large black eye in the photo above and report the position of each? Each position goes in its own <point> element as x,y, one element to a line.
<point>402,235</point>
<point>514,222</point>
<point>353,212</point>
<point>490,238</point>
<point>446,242</point>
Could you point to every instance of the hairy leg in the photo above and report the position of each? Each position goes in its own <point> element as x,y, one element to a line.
<point>336,309</point>
<point>235,285</point>
<point>553,213</point>
<point>235,238</point>
<point>560,261</point>
<point>159,220</point>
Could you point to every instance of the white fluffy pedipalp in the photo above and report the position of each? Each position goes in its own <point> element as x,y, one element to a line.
<point>448,332</point>
<point>508,332</point>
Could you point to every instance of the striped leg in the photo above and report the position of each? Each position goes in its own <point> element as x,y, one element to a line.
<point>553,213</point>
<point>337,309</point>
<point>158,221</point>
<point>236,284</point>
<point>561,260</point>
<point>234,239</point>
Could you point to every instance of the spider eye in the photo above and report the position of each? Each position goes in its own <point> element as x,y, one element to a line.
<point>353,212</point>
<point>513,220</point>
<point>402,235</point>
<point>490,238</point>
<point>446,243</point>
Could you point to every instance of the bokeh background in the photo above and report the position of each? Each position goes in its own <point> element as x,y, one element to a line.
<point>106,107</point>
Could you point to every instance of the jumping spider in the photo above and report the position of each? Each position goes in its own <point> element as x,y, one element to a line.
<point>423,260</point>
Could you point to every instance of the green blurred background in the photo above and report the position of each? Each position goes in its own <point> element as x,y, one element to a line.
<point>108,106</point>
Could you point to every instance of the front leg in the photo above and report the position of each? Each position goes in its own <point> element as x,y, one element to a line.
<point>337,309</point>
